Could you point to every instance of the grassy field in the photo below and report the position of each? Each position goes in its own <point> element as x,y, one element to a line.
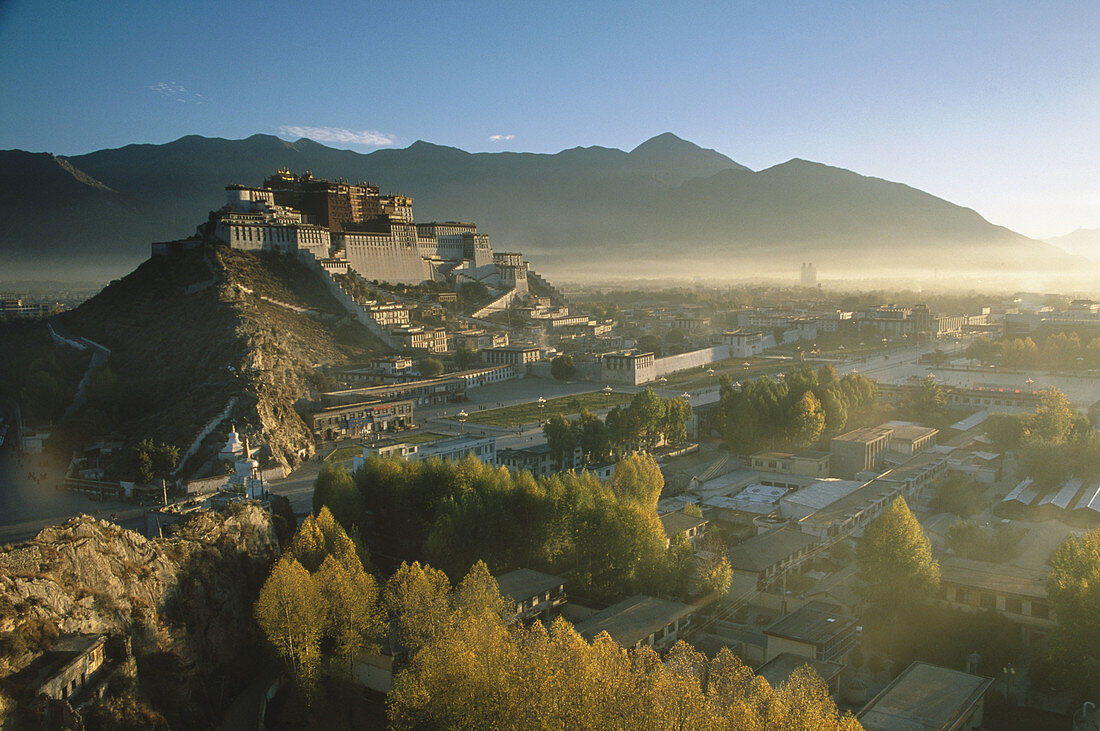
<point>342,454</point>
<point>566,405</point>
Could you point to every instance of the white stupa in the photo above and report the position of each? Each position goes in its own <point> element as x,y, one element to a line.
<point>233,446</point>
<point>246,473</point>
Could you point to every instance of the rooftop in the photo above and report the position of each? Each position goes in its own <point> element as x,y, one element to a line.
<point>679,522</point>
<point>522,584</point>
<point>924,697</point>
<point>777,670</point>
<point>912,433</point>
<point>866,434</point>
<point>634,619</point>
<point>760,552</point>
<point>853,503</point>
<point>816,623</point>
<point>822,493</point>
<point>993,577</point>
<point>44,667</point>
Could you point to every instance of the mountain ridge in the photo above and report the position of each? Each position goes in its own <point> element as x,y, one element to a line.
<point>666,200</point>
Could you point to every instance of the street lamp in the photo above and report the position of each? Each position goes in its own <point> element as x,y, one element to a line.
<point>607,392</point>
<point>1029,383</point>
<point>686,397</point>
<point>542,405</point>
<point>710,371</point>
<point>462,415</point>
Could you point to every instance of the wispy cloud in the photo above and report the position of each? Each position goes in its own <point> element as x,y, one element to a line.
<point>501,138</point>
<point>340,134</point>
<point>177,92</point>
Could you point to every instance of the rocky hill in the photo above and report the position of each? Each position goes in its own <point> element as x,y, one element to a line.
<point>185,602</point>
<point>666,203</point>
<point>191,333</point>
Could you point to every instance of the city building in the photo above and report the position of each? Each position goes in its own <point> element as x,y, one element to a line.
<point>817,630</point>
<point>430,339</point>
<point>457,448</point>
<point>930,698</point>
<point>361,419</point>
<point>640,621</point>
<point>808,464</point>
<point>511,355</point>
<point>808,277</point>
<point>859,450</point>
<point>627,367</point>
<point>537,459</point>
<point>1017,594</point>
<point>70,670</point>
<point>679,522</point>
<point>531,594</point>
<point>910,439</point>
<point>802,503</point>
<point>766,556</point>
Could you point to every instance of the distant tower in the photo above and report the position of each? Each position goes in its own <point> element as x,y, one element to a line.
<point>809,275</point>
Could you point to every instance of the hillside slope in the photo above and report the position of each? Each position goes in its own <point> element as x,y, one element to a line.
<point>190,332</point>
<point>184,602</point>
<point>666,202</point>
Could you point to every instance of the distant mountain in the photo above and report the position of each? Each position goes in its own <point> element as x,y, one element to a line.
<point>667,203</point>
<point>1082,242</point>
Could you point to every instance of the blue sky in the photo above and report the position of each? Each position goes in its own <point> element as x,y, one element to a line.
<point>993,105</point>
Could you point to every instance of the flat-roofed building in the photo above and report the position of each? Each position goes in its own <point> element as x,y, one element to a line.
<point>512,355</point>
<point>538,459</point>
<point>929,698</point>
<point>817,630</point>
<point>70,670</point>
<point>628,367</point>
<point>639,621</point>
<point>848,516</point>
<point>859,450</point>
<point>1017,594</point>
<point>457,448</point>
<point>807,464</point>
<point>821,494</point>
<point>424,392</point>
<point>531,594</point>
<point>765,556</point>
<point>680,522</point>
<point>911,439</point>
<point>363,418</point>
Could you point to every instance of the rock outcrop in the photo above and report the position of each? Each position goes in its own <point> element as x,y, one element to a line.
<point>185,601</point>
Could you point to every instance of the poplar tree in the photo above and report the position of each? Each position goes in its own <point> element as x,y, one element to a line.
<point>896,568</point>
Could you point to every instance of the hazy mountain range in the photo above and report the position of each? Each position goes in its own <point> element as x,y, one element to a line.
<point>666,207</point>
<point>1083,242</point>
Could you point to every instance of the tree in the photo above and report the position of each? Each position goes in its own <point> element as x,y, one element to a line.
<point>353,618</point>
<point>807,421</point>
<point>895,561</point>
<point>929,403</point>
<point>561,438</point>
<point>478,593</point>
<point>593,437</point>
<point>1074,589</point>
<point>291,614</point>
<point>321,536</point>
<point>418,598</point>
<point>466,357</point>
<point>429,367</point>
<point>154,461</point>
<point>563,368</point>
<point>677,415</point>
<point>335,489</point>
<point>648,411</point>
<point>1053,418</point>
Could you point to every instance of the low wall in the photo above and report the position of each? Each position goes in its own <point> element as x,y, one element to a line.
<point>685,361</point>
